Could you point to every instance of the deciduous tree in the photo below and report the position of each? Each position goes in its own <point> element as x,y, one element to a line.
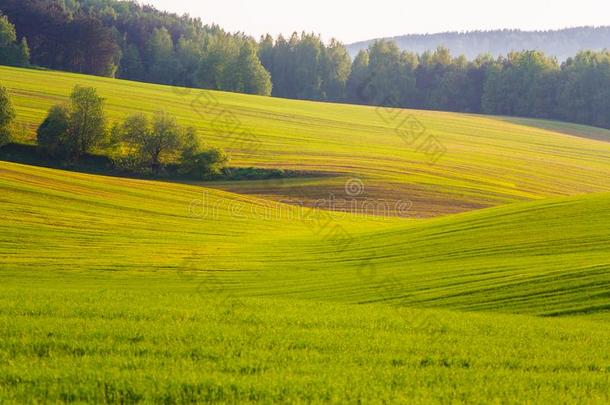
<point>155,142</point>
<point>72,130</point>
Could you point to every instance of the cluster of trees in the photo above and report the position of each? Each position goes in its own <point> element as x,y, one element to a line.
<point>156,143</point>
<point>384,75</point>
<point>139,144</point>
<point>12,51</point>
<point>304,67</point>
<point>59,40</point>
<point>526,83</point>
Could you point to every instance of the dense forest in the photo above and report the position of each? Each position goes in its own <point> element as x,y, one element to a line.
<point>124,39</point>
<point>560,43</point>
<point>127,40</point>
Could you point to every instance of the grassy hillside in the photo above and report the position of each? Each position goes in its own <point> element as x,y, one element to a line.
<point>546,258</point>
<point>126,291</point>
<point>120,290</point>
<point>487,161</point>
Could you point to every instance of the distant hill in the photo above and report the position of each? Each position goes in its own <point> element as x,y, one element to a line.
<point>560,43</point>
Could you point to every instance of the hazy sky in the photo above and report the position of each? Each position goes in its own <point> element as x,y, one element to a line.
<point>351,21</point>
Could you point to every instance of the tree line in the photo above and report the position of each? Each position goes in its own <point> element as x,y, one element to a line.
<point>525,84</point>
<point>127,40</point>
<point>139,144</point>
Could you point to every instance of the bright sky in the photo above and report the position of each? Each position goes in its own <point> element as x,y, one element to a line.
<point>351,21</point>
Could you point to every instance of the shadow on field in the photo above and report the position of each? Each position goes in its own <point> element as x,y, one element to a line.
<point>28,155</point>
<point>103,165</point>
<point>566,128</point>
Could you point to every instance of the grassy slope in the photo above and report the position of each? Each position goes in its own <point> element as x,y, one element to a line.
<point>103,298</point>
<point>488,161</point>
<point>546,258</point>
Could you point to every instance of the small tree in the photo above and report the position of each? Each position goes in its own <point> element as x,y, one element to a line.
<point>198,162</point>
<point>7,115</point>
<point>23,53</point>
<point>87,127</point>
<point>155,143</point>
<point>204,164</point>
<point>161,141</point>
<point>73,130</point>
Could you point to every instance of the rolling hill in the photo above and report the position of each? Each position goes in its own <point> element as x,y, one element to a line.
<point>118,290</point>
<point>490,284</point>
<point>548,257</point>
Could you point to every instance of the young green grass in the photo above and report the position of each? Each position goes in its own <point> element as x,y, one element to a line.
<point>72,341</point>
<point>487,161</point>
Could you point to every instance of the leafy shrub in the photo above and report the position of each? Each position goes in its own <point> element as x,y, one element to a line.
<point>203,164</point>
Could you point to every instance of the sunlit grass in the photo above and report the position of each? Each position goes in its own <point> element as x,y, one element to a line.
<point>548,257</point>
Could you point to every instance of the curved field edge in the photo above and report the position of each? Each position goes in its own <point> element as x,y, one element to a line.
<point>546,258</point>
<point>485,161</point>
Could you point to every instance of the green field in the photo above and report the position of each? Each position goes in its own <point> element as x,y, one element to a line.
<point>67,342</point>
<point>121,290</point>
